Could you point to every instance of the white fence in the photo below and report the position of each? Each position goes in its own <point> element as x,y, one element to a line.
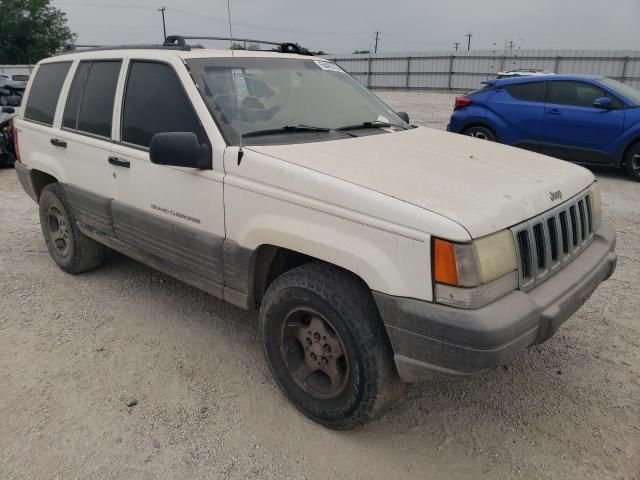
<point>465,70</point>
<point>16,69</point>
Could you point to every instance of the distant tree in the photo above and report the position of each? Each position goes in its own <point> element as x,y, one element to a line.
<point>31,30</point>
<point>237,46</point>
<point>362,51</point>
<point>320,52</point>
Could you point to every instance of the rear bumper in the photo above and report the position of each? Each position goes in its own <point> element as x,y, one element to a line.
<point>432,341</point>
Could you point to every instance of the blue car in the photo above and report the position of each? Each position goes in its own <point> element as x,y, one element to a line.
<point>589,120</point>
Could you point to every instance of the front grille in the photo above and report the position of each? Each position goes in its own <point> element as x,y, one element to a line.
<point>548,242</point>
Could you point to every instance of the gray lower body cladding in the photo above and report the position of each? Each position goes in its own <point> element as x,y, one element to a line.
<point>433,341</point>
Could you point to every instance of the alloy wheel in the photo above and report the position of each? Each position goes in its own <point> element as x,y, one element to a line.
<point>314,354</point>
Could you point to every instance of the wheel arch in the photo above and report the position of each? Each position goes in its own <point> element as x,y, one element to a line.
<point>270,261</point>
<point>40,180</point>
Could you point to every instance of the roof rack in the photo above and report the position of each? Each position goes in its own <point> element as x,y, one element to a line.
<point>71,48</point>
<point>283,47</point>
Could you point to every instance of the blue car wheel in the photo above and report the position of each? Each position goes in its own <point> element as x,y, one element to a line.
<point>482,133</point>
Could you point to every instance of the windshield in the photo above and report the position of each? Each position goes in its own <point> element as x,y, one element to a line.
<point>252,94</point>
<point>626,91</point>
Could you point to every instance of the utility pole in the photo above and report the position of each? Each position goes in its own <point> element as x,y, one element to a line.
<point>164,26</point>
<point>375,50</point>
<point>456,45</point>
<point>469,35</point>
<point>510,45</point>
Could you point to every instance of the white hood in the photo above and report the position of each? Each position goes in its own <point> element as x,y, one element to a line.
<point>483,186</point>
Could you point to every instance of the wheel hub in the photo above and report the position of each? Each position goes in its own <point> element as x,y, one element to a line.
<point>314,354</point>
<point>59,231</point>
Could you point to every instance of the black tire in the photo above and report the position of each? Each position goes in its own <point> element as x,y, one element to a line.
<point>632,162</point>
<point>369,382</point>
<point>482,133</point>
<point>71,250</point>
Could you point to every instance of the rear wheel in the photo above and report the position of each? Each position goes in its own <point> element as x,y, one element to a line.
<point>632,162</point>
<point>483,133</point>
<point>326,346</point>
<point>71,250</point>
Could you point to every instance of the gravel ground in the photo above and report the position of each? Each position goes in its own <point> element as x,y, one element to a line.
<point>75,349</point>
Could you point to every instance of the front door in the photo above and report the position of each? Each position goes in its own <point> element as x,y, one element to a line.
<point>175,216</point>
<point>577,131</point>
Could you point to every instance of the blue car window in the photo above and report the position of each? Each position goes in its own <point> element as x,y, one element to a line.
<point>529,92</point>
<point>577,94</point>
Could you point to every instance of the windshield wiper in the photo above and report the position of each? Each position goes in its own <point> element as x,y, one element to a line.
<point>373,124</point>
<point>291,128</point>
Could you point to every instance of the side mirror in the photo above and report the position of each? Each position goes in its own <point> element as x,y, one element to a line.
<point>179,149</point>
<point>404,116</point>
<point>603,103</point>
<point>8,110</point>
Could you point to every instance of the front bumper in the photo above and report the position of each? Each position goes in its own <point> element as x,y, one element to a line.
<point>432,341</point>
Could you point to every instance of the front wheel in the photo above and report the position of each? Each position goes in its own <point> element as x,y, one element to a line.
<point>326,346</point>
<point>481,133</point>
<point>632,162</point>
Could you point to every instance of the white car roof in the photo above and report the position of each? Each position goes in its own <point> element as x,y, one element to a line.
<point>166,53</point>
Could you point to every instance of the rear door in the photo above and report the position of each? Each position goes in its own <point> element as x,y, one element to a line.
<point>577,131</point>
<point>175,215</point>
<point>521,107</point>
<point>86,139</point>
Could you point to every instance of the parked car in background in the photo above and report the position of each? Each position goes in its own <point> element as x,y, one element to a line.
<point>11,88</point>
<point>524,72</point>
<point>589,120</point>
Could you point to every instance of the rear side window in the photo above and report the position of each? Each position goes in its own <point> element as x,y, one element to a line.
<point>90,104</point>
<point>45,91</point>
<point>528,92</point>
<point>155,102</point>
<point>577,94</point>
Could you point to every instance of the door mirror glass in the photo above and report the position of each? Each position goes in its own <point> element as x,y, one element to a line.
<point>404,116</point>
<point>604,103</point>
<point>179,149</point>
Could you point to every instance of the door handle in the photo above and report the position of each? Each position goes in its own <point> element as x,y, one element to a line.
<point>118,162</point>
<point>56,142</point>
<point>553,111</point>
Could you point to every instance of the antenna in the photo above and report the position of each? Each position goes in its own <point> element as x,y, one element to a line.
<point>233,74</point>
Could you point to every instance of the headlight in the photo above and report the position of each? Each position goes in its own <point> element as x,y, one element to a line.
<point>596,207</point>
<point>471,275</point>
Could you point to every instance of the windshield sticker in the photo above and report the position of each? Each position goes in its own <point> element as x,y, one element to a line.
<point>328,66</point>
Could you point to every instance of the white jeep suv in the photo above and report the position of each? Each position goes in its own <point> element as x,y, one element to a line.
<point>377,253</point>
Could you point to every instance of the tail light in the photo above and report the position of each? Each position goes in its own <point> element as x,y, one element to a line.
<point>462,102</point>
<point>16,149</point>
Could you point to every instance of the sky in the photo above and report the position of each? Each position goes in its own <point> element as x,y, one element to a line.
<point>342,26</point>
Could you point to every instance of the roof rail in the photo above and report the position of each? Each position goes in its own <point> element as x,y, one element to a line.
<point>283,47</point>
<point>71,48</point>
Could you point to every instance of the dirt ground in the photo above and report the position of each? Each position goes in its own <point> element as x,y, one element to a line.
<point>75,349</point>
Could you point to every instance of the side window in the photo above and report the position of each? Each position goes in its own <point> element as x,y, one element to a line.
<point>155,102</point>
<point>45,91</point>
<point>90,104</point>
<point>528,92</point>
<point>577,94</point>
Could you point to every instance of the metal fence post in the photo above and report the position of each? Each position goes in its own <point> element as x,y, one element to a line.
<point>556,67</point>
<point>369,72</point>
<point>451,58</point>
<point>625,62</point>
<point>408,72</point>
